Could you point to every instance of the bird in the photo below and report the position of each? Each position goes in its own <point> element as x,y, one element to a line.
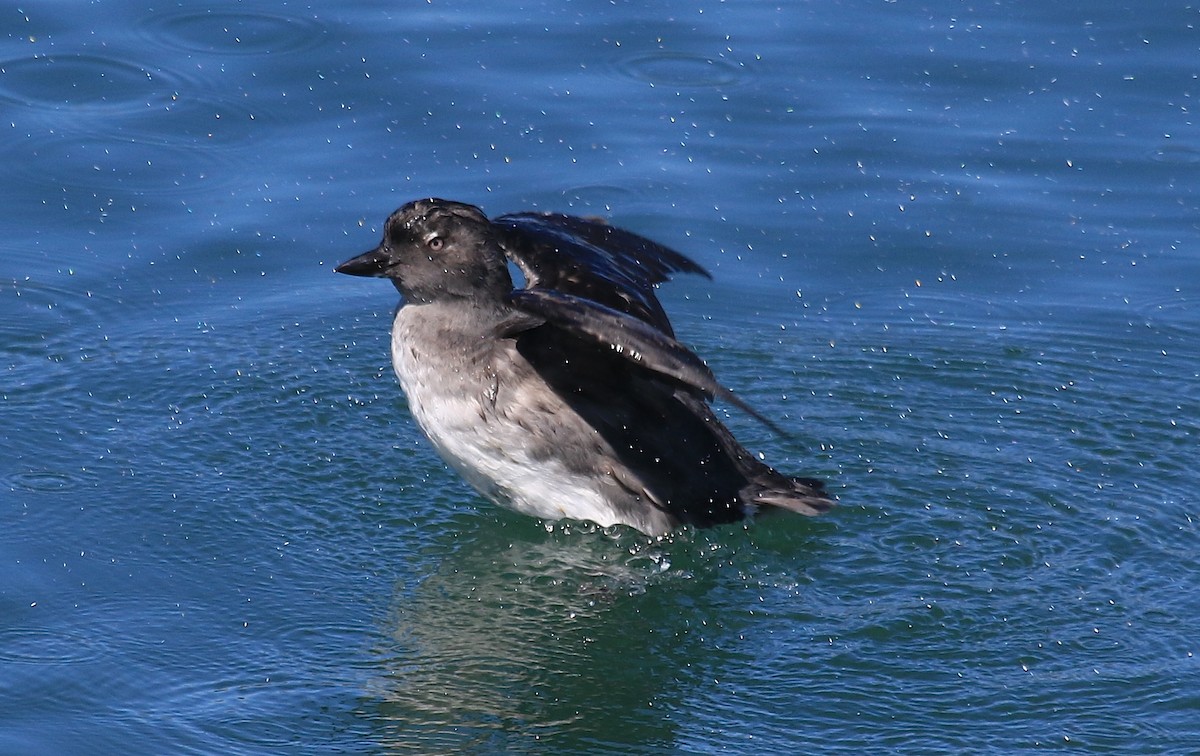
<point>565,395</point>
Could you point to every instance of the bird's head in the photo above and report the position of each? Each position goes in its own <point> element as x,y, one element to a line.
<point>436,249</point>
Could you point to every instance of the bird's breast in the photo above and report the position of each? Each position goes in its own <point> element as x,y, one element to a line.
<point>498,424</point>
<point>445,372</point>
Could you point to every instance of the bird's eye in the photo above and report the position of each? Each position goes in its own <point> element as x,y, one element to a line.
<point>435,243</point>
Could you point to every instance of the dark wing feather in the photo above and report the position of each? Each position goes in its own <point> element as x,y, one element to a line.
<point>592,260</point>
<point>633,339</point>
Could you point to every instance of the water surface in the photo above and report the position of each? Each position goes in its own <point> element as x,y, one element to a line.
<point>954,249</point>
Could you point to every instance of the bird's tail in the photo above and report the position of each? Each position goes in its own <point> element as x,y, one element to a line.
<point>804,496</point>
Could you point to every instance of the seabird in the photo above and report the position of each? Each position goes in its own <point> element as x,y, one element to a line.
<point>568,397</point>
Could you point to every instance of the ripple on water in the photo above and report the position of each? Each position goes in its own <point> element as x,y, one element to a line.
<point>40,481</point>
<point>1176,154</point>
<point>42,647</point>
<point>232,32</point>
<point>202,114</point>
<point>252,712</point>
<point>924,304</point>
<point>119,165</point>
<point>34,311</point>
<point>601,199</point>
<point>597,198</point>
<point>82,82</point>
<point>1179,313</point>
<point>132,132</point>
<point>676,69</point>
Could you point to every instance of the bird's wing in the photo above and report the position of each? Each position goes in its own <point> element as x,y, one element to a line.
<point>635,340</point>
<point>592,260</point>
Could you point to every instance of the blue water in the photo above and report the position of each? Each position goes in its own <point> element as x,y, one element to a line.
<point>956,250</point>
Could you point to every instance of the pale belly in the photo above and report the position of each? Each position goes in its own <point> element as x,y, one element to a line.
<point>496,436</point>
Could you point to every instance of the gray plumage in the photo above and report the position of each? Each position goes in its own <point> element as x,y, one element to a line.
<point>569,397</point>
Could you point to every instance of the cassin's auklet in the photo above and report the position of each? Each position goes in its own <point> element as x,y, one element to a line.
<point>569,397</point>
